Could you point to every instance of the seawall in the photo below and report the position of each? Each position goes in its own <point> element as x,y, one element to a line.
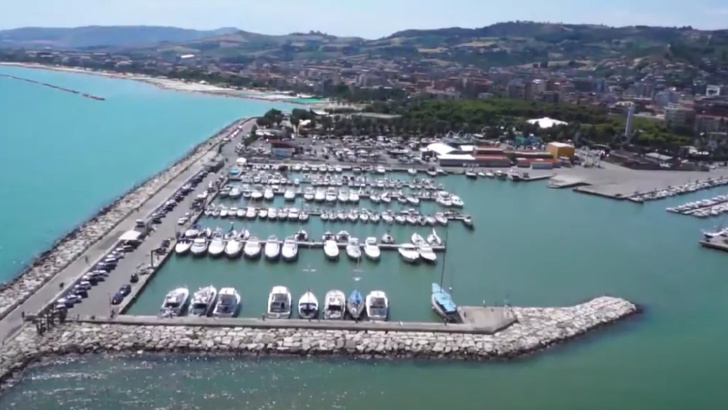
<point>55,87</point>
<point>72,245</point>
<point>536,329</point>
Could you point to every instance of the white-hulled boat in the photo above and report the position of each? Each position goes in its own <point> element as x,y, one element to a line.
<point>353,250</point>
<point>272,248</point>
<point>387,239</point>
<point>272,213</point>
<point>426,252</point>
<point>279,303</point>
<point>268,194</point>
<point>413,200</point>
<point>203,301</point>
<point>256,195</point>
<point>409,253</point>
<point>251,212</point>
<point>217,244</point>
<point>289,195</point>
<point>381,169</point>
<point>309,194</point>
<point>489,174</point>
<point>293,214</point>
<point>433,239</point>
<point>374,218</point>
<point>387,217</point>
<point>353,197</point>
<point>456,201</point>
<point>199,246</point>
<point>441,218</point>
<point>417,239</point>
<point>334,305</point>
<point>343,196</point>
<point>331,195</point>
<point>252,247</point>
<point>375,198</point>
<point>289,250</point>
<point>331,249</point>
<point>234,245</point>
<point>175,302</point>
<point>240,213</point>
<point>319,196</point>
<point>235,193</point>
<point>303,216</point>
<point>228,303</point>
<point>412,171</point>
<point>371,249</point>
<point>263,213</point>
<point>308,307</point>
<point>377,305</point>
<point>182,247</point>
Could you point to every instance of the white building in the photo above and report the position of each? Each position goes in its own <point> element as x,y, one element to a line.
<point>546,122</point>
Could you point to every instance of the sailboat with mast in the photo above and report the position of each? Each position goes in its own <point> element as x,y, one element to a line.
<point>441,300</point>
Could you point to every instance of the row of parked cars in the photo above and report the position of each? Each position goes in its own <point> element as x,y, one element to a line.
<point>101,271</point>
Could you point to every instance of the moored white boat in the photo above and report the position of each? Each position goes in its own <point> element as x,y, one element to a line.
<point>353,249</point>
<point>308,307</point>
<point>409,252</point>
<point>289,250</point>
<point>182,247</point>
<point>279,303</point>
<point>371,248</point>
<point>377,305</point>
<point>334,305</point>
<point>331,249</point>
<point>199,246</point>
<point>272,248</point>
<point>234,245</point>
<point>203,301</point>
<point>175,302</point>
<point>252,247</point>
<point>228,303</point>
<point>217,244</point>
<point>433,239</point>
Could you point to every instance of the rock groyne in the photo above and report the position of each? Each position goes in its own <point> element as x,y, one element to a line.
<point>73,244</point>
<point>536,329</point>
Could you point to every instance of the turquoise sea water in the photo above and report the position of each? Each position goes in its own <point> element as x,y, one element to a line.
<point>534,245</point>
<point>63,156</point>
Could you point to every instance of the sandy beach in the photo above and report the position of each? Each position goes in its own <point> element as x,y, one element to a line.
<point>176,85</point>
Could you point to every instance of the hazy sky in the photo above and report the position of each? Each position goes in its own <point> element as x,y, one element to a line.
<point>365,18</point>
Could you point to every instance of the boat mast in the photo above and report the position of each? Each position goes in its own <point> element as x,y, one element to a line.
<point>444,259</point>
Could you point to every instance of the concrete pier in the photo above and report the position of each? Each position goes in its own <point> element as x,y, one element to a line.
<point>55,87</point>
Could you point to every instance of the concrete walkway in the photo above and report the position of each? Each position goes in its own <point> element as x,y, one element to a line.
<point>53,289</point>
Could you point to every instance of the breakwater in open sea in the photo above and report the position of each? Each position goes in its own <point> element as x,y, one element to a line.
<point>64,157</point>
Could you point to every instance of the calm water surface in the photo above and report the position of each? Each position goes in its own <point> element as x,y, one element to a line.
<point>532,245</point>
<point>63,156</point>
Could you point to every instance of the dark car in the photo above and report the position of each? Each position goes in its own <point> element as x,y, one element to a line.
<point>118,298</point>
<point>125,290</point>
<point>134,278</point>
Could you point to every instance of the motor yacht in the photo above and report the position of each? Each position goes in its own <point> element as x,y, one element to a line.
<point>182,247</point>
<point>377,305</point>
<point>282,214</point>
<point>426,252</point>
<point>301,236</point>
<point>252,247</point>
<point>409,253</point>
<point>199,246</point>
<point>413,200</point>
<point>234,245</point>
<point>489,174</point>
<point>308,307</point>
<point>319,196</point>
<point>331,195</point>
<point>456,201</point>
<point>441,218</point>
<point>354,197</point>
<point>387,239</point>
<point>279,303</point>
<point>272,248</point>
<point>268,194</point>
<point>309,194</point>
<point>374,218</point>
<point>235,193</point>
<point>334,305</point>
<point>175,302</point>
<point>371,248</point>
<point>381,170</point>
<point>217,244</point>
<point>263,213</point>
<point>272,214</point>
<point>289,195</point>
<point>303,216</point>
<point>331,249</point>
<point>375,198</point>
<point>342,197</point>
<point>251,212</point>
<point>353,249</point>
<point>240,213</point>
<point>256,195</point>
<point>289,250</point>
<point>412,171</point>
<point>203,301</point>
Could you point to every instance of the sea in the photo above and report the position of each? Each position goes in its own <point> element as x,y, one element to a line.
<point>63,156</point>
<point>532,246</point>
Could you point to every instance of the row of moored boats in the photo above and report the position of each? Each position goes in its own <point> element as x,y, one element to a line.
<point>679,189</point>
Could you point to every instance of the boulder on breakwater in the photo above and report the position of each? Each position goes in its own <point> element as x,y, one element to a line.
<point>536,329</point>
<point>73,244</point>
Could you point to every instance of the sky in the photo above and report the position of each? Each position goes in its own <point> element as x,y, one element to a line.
<point>363,18</point>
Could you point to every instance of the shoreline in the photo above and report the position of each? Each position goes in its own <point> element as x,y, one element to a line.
<point>536,330</point>
<point>69,247</point>
<point>168,83</point>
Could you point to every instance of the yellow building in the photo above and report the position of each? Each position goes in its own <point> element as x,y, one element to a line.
<point>559,150</point>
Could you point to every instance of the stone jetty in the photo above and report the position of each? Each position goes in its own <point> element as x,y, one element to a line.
<point>536,329</point>
<point>71,246</point>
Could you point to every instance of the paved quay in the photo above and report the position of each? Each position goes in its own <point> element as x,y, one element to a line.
<point>535,329</point>
<point>70,258</point>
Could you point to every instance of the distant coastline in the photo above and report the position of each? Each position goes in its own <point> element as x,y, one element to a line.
<point>172,84</point>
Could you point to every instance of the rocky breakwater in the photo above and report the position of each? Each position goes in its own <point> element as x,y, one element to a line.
<point>537,328</point>
<point>71,246</point>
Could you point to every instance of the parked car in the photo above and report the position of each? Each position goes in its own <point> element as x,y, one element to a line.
<point>125,290</point>
<point>118,298</point>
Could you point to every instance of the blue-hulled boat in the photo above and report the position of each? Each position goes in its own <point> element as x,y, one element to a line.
<point>355,305</point>
<point>442,304</point>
